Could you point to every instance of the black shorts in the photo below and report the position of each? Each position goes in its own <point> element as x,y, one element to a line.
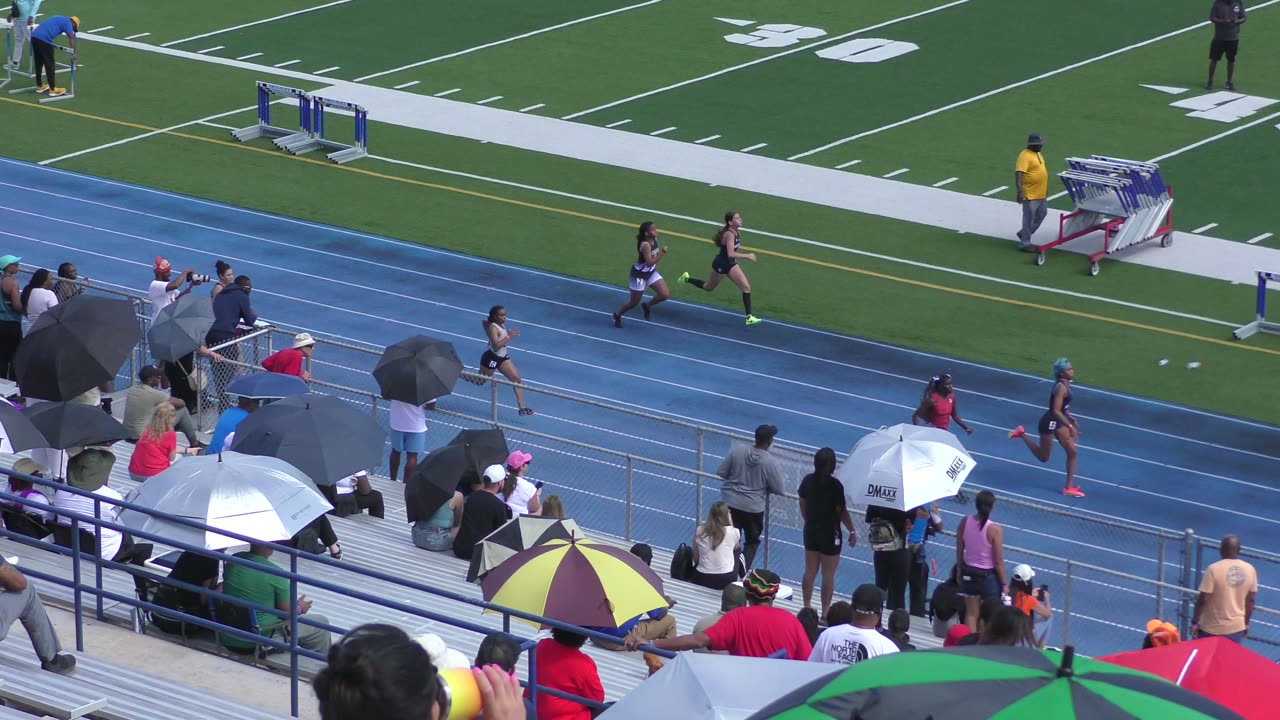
<point>1218,48</point>
<point>1048,424</point>
<point>823,545</point>
<point>491,360</point>
<point>722,265</point>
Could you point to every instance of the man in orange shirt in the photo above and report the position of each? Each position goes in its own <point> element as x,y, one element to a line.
<point>1227,594</point>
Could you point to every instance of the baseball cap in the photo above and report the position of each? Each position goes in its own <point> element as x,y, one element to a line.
<point>494,474</point>
<point>765,433</point>
<point>149,371</point>
<point>1162,633</point>
<point>303,340</point>
<point>955,634</point>
<point>75,21</point>
<point>1035,139</point>
<point>162,265</point>
<point>7,260</point>
<point>1024,573</point>
<point>26,466</point>
<point>518,459</point>
<point>868,599</point>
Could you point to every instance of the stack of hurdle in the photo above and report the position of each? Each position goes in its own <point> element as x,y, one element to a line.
<point>27,70</point>
<point>310,133</point>
<point>1125,199</point>
<point>1260,323</point>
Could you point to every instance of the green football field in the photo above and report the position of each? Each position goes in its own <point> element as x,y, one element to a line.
<point>942,93</point>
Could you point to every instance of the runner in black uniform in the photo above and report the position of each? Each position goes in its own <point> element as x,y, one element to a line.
<point>495,354</point>
<point>1057,422</point>
<point>644,273</point>
<point>729,239</point>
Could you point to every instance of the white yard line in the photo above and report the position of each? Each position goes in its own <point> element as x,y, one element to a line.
<point>444,93</point>
<point>948,181</point>
<point>842,166</point>
<point>328,70</point>
<point>411,83</point>
<point>139,35</point>
<point>1210,226</point>
<point>1260,238</point>
<point>663,131</point>
<point>144,136</point>
<point>706,139</point>
<point>533,107</point>
<point>486,101</point>
<point>993,191</point>
<point>618,123</point>
<point>753,148</point>
<point>1014,86</point>
<point>767,58</point>
<point>286,63</point>
<point>250,55</point>
<point>513,38</point>
<point>895,173</point>
<point>255,22</point>
<point>209,50</point>
<point>103,29</point>
<point>1222,134</point>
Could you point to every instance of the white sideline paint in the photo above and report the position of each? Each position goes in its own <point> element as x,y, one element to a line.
<point>1219,136</point>
<point>255,22</point>
<point>513,38</point>
<point>144,136</point>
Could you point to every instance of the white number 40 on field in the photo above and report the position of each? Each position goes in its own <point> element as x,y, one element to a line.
<point>777,35</point>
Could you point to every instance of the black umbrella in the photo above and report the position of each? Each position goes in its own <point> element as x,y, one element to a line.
<point>179,329</point>
<point>434,480</point>
<point>67,424</point>
<point>321,435</point>
<point>488,447</point>
<point>75,346</point>
<point>418,370</point>
<point>17,433</point>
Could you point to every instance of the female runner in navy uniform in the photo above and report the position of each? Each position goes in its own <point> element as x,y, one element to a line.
<point>495,355</point>
<point>644,274</point>
<point>1057,422</point>
<point>729,239</point>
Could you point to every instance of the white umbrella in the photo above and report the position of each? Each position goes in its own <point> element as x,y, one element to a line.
<point>261,497</point>
<point>904,466</point>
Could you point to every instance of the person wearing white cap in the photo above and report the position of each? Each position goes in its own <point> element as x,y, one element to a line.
<point>482,512</point>
<point>290,360</point>
<point>11,312</point>
<point>1032,602</point>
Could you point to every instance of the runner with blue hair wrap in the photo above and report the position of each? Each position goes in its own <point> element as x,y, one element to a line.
<point>1057,422</point>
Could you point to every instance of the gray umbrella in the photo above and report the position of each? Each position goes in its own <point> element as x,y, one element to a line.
<point>261,497</point>
<point>180,327</point>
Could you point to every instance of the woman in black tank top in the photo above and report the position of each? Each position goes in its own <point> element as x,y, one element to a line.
<point>644,274</point>
<point>1057,422</point>
<point>728,240</point>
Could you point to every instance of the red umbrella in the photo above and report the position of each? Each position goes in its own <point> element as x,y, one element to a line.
<point>1214,667</point>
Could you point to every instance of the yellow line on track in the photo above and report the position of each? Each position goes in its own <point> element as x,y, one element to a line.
<point>626,223</point>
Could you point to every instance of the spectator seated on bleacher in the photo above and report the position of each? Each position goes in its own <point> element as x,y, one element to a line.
<point>437,532</point>
<point>141,401</point>
<point>731,598</point>
<point>899,627</point>
<point>482,512</point>
<point>352,495</point>
<point>643,629</point>
<point>839,613</point>
<point>1159,634</point>
<point>20,602</point>
<point>89,470</point>
<point>499,648</point>
<point>986,611</point>
<point>247,583</point>
<point>563,666</point>
<point>227,423</point>
<point>194,569</point>
<point>946,607</point>
<point>860,639</point>
<point>32,520</point>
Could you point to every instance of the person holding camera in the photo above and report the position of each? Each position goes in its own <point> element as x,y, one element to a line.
<point>1033,603</point>
<point>166,288</point>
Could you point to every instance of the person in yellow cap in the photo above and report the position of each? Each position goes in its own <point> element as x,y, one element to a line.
<point>42,47</point>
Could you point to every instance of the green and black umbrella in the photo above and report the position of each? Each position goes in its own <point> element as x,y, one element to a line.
<point>990,682</point>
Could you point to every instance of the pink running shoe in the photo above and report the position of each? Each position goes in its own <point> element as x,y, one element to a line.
<point>1073,492</point>
<point>1017,432</point>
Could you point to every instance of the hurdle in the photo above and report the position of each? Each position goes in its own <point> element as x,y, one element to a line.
<point>1260,323</point>
<point>30,74</point>
<point>10,71</point>
<point>344,153</point>
<point>283,137</point>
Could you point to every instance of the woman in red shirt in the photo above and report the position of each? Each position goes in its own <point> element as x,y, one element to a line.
<point>158,446</point>
<point>938,405</point>
<point>563,666</point>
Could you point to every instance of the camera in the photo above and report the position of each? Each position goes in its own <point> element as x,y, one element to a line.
<point>197,279</point>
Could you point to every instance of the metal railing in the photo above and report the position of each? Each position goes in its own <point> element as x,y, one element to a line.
<point>358,587</point>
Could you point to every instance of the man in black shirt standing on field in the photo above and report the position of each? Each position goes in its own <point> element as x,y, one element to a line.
<point>1227,16</point>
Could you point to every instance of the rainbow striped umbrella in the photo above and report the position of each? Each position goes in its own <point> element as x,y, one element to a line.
<point>576,581</point>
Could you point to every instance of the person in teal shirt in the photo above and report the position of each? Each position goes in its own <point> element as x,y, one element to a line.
<point>42,47</point>
<point>22,16</point>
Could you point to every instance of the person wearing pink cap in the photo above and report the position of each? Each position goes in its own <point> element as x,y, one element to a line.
<point>521,495</point>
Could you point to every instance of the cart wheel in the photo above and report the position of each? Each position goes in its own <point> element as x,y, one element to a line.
<point>1094,268</point>
<point>1039,259</point>
<point>1167,240</point>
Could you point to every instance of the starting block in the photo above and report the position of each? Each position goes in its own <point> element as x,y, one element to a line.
<point>310,134</point>
<point>1260,323</point>
<point>1126,199</point>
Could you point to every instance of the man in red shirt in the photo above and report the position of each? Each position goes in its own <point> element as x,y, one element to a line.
<point>563,666</point>
<point>757,630</point>
<point>289,360</point>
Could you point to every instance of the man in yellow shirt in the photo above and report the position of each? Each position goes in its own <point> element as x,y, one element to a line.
<point>1031,179</point>
<point>1227,594</point>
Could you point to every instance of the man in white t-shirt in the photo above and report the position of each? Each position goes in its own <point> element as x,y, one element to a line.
<point>859,639</point>
<point>165,288</point>
<point>88,471</point>
<point>408,435</point>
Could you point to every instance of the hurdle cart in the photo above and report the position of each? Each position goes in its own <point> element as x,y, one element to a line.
<point>1125,199</point>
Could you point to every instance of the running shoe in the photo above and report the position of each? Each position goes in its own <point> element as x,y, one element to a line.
<point>645,307</point>
<point>1075,492</point>
<point>1017,432</point>
<point>42,88</point>
<point>55,92</point>
<point>617,320</point>
<point>684,277</point>
<point>526,411</point>
<point>1231,86</point>
<point>752,320</point>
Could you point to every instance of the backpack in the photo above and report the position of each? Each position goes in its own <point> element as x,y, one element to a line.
<point>882,536</point>
<point>682,563</point>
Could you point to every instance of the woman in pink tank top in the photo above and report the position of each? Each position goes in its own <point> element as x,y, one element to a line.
<point>938,405</point>
<point>980,557</point>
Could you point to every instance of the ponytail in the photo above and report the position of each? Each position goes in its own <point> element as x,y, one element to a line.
<point>985,502</point>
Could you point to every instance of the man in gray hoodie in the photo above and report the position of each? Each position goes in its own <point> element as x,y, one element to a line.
<point>749,473</point>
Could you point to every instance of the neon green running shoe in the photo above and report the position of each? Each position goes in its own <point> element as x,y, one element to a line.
<point>752,319</point>
<point>684,277</point>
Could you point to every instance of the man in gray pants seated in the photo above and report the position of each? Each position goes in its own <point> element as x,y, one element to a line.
<point>19,601</point>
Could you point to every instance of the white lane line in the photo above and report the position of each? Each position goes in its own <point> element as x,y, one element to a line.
<point>447,92</point>
<point>513,38</point>
<point>895,173</point>
<point>250,55</point>
<point>139,35</point>
<point>327,70</point>
<point>767,58</point>
<point>752,148</point>
<point>1205,228</point>
<point>1222,134</point>
<point>663,131</point>
<point>486,101</point>
<point>533,107</point>
<point>286,63</point>
<point>209,50</point>
<point>103,29</point>
<point>1014,86</point>
<point>706,139</point>
<point>255,22</point>
<point>618,123</point>
<point>402,86</point>
<point>143,136</point>
<point>220,126</point>
<point>1260,238</point>
<point>993,191</point>
<point>948,181</point>
<point>842,166</point>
